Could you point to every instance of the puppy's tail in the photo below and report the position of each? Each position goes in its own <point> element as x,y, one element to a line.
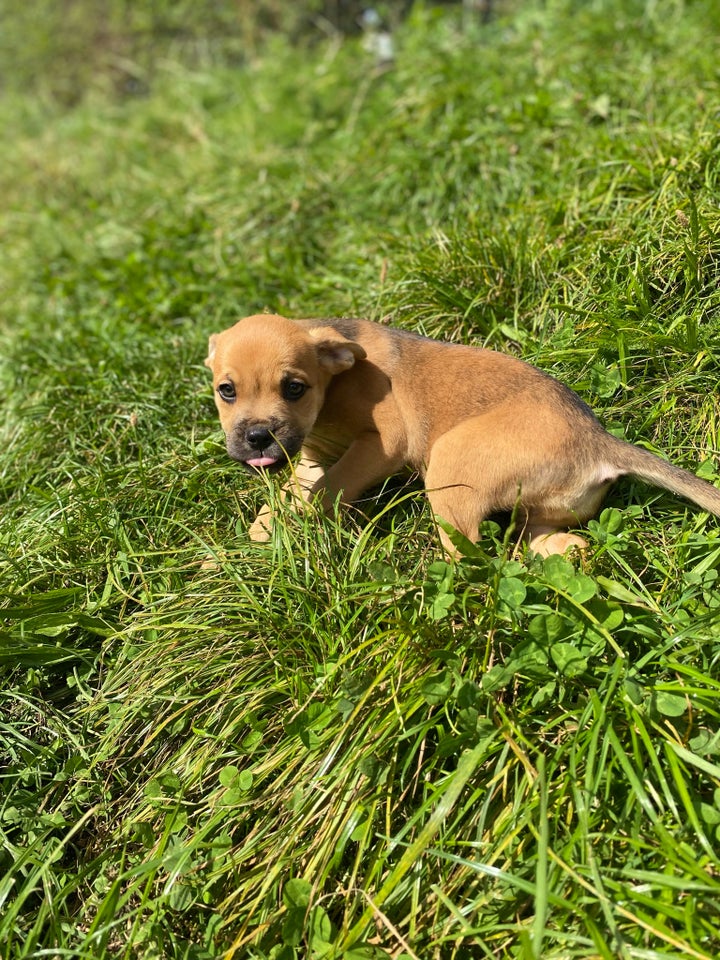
<point>630,459</point>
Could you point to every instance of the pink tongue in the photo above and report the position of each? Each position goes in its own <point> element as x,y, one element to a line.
<point>261,462</point>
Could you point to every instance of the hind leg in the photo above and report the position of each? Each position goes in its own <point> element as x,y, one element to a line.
<point>547,540</point>
<point>494,462</point>
<point>456,494</point>
<point>460,506</point>
<point>546,529</point>
<point>466,506</point>
<point>474,472</point>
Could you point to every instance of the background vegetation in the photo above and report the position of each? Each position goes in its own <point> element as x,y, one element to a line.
<point>339,745</point>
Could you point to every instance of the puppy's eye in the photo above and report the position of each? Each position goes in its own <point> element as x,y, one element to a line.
<point>293,389</point>
<point>226,391</point>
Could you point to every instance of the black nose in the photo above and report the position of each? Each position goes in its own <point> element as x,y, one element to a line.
<point>258,437</point>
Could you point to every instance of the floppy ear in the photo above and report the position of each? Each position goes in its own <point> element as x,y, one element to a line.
<point>211,350</point>
<point>334,353</point>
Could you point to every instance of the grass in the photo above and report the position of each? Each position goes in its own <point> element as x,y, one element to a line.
<point>340,745</point>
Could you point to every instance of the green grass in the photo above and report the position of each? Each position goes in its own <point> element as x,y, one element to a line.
<point>338,745</point>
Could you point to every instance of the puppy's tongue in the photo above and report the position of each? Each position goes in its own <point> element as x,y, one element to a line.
<point>260,462</point>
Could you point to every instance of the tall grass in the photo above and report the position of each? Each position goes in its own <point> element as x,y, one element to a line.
<point>339,745</point>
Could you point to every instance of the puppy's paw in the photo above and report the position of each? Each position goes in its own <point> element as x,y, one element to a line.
<point>261,528</point>
<point>547,544</point>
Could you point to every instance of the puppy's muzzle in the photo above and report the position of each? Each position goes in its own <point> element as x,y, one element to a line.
<point>259,438</point>
<point>262,446</point>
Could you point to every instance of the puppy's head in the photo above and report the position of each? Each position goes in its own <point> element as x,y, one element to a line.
<point>270,375</point>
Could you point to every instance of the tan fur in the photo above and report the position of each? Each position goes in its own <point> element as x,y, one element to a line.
<point>486,431</point>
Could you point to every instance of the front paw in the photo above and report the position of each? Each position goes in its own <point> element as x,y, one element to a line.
<point>261,527</point>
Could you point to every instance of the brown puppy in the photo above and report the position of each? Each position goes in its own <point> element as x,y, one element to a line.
<point>487,432</point>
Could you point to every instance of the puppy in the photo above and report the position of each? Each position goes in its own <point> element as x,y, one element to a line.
<point>487,432</point>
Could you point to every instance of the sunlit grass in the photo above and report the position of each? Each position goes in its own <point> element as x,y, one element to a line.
<point>338,745</point>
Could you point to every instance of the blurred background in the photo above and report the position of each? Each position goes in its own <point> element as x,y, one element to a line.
<point>65,47</point>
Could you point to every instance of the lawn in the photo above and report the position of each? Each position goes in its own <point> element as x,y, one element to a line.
<point>339,745</point>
